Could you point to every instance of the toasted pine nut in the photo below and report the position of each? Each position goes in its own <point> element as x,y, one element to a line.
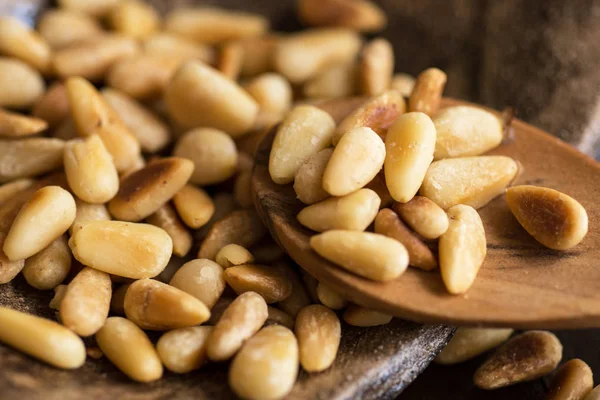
<point>20,85</point>
<point>424,216</point>
<point>48,213</point>
<point>134,18</point>
<point>308,181</point>
<point>201,278</point>
<point>468,343</point>
<point>10,189</point>
<point>19,41</point>
<point>356,160</point>
<point>242,189</point>
<point>129,348</point>
<point>554,219</point>
<point>336,81</point>
<point>360,316</point>
<point>302,56</point>
<point>41,338</point>
<point>299,298</point>
<point>466,131</point>
<point>154,305</point>
<point>305,131</point>
<point>269,282</point>
<point>366,254</point>
<point>241,227</point>
<point>166,218</point>
<point>330,298</point>
<point>573,380</point>
<point>194,206</point>
<point>232,255</point>
<point>224,205</point>
<point>49,268</point>
<point>59,295</point>
<point>85,305</point>
<point>199,95</point>
<point>149,130</point>
<point>94,8</point>
<point>213,25</point>
<point>231,59</point>
<point>184,350</point>
<point>122,248</point>
<point>218,309</point>
<point>360,15</point>
<point>143,192</point>
<point>376,67</point>
<point>354,212</point>
<point>462,249</point>
<point>473,181</point>
<point>379,186</point>
<point>14,125</point>
<point>8,269</point>
<point>403,83</point>
<point>177,47</point>
<point>87,212</point>
<point>61,28</point>
<point>66,130</point>
<point>92,58</point>
<point>29,157</point>
<point>427,93</point>
<point>272,92</point>
<point>242,319</point>
<point>318,331</point>
<point>276,316</point>
<point>117,301</point>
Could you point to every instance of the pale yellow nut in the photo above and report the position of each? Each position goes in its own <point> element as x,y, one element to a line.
<point>278,317</point>
<point>267,366</point>
<point>360,15</point>
<point>202,278</point>
<point>53,107</point>
<point>84,308</point>
<point>152,133</point>
<point>8,269</point>
<point>360,316</point>
<point>554,219</point>
<point>154,305</point>
<point>474,181</point>
<point>376,67</point>
<point>299,298</point>
<point>330,298</point>
<point>198,95</point>
<point>334,82</point>
<point>177,47</point>
<point>573,380</point>
<point>122,248</point>
<point>272,92</point>
<point>129,349</point>
<point>87,212</point>
<point>318,331</point>
<point>92,115</point>
<point>356,160</point>
<point>43,339</point>
<point>232,255</point>
<point>184,350</point>
<point>271,283</point>
<point>594,394</point>
<point>258,54</point>
<point>302,56</point>
<point>308,181</point>
<point>26,158</point>
<point>427,92</point>
<point>230,60</point>
<point>94,8</point>
<point>305,131</point>
<point>91,58</point>
<point>240,321</point>
<point>48,213</point>
<point>466,131</point>
<point>213,25</point>
<point>424,216</point>
<point>462,249</point>
<point>20,85</point>
<point>14,125</point>
<point>19,41</point>
<point>10,189</point>
<point>117,301</point>
<point>166,218</point>
<point>403,83</point>
<point>468,343</point>
<point>354,212</point>
<point>242,190</point>
<point>61,28</point>
<point>134,18</point>
<point>59,294</point>
<point>143,192</point>
<point>50,267</point>
<point>194,206</point>
<point>409,146</point>
<point>367,254</point>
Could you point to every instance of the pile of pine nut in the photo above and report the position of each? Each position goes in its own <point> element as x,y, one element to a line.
<point>126,150</point>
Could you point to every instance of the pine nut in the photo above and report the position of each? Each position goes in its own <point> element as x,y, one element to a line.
<point>318,331</point>
<point>61,28</point>
<point>26,158</point>
<point>258,52</point>
<point>87,212</point>
<point>356,160</point>
<point>8,269</point>
<point>59,295</point>
<point>184,350</point>
<point>50,267</point>
<point>194,206</point>
<point>213,153</point>
<point>334,82</point>
<point>389,224</point>
<point>366,254</point>
<point>41,338</point>
<point>330,298</point>
<point>242,190</point>
<point>230,60</point>
<point>240,321</point>
<point>66,130</point>
<point>19,41</point>
<point>20,85</point>
<point>473,181</point>
<point>134,19</point>
<point>117,301</point>
<point>427,92</point>
<point>365,317</point>
<point>299,298</point>
<point>424,216</point>
<point>166,218</point>
<point>49,213</point>
<point>94,8</point>
<point>272,92</point>
<point>269,282</point>
<point>573,380</point>
<point>376,67</point>
<point>218,309</point>
<point>202,278</point>
<point>122,248</point>
<point>232,255</point>
<point>466,131</point>
<point>178,48</point>
<point>409,146</point>
<point>278,317</point>
<point>360,15</point>
<point>11,189</point>
<point>14,125</point>
<point>85,306</point>
<point>199,95</point>
<point>308,181</point>
<point>594,394</point>
<point>224,205</point>
<point>554,219</point>
<point>353,212</point>
<point>403,83</point>
<point>154,305</point>
<point>129,349</point>
<point>468,343</point>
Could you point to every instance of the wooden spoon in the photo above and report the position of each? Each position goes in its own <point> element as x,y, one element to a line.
<point>521,283</point>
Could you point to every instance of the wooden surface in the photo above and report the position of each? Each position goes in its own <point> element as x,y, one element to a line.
<point>521,283</point>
